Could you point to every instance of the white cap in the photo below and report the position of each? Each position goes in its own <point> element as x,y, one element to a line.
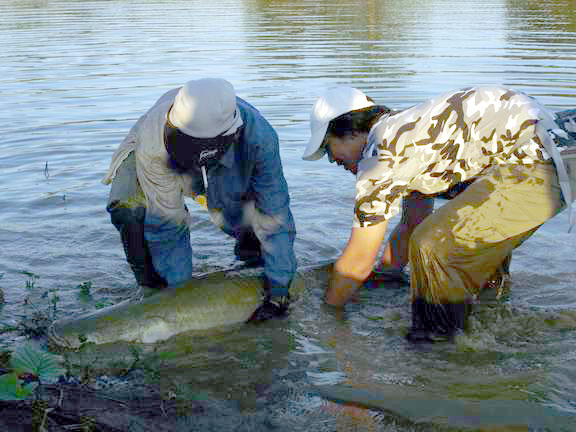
<point>329,106</point>
<point>206,108</point>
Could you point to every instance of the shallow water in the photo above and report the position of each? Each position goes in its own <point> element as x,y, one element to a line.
<point>75,75</point>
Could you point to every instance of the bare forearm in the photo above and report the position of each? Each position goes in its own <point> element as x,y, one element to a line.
<point>355,264</point>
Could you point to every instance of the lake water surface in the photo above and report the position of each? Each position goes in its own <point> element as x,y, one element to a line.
<point>76,74</point>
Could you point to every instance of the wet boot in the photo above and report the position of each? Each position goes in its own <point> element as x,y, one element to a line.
<point>135,246</point>
<point>436,322</point>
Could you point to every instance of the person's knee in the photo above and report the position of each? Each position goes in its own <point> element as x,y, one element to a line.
<point>427,240</point>
<point>121,216</point>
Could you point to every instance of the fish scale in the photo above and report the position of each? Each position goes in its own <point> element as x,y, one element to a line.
<point>213,301</point>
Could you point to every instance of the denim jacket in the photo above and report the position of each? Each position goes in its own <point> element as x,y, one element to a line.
<point>246,188</point>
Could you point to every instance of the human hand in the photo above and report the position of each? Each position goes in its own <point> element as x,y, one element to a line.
<point>276,302</point>
<point>272,308</point>
<point>341,290</point>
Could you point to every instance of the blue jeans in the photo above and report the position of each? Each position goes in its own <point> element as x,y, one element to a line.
<point>157,259</point>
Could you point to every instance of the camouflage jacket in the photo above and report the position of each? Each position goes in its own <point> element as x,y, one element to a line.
<point>449,139</point>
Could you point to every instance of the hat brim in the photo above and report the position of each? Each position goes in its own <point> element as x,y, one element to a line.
<point>315,150</point>
<point>236,124</point>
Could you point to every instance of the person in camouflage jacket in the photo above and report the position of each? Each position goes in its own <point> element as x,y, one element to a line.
<point>497,147</point>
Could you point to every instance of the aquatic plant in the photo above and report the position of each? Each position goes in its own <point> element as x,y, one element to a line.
<point>103,304</point>
<point>85,290</point>
<point>53,295</point>
<point>29,367</point>
<point>42,317</point>
<point>12,388</point>
<point>30,359</point>
<point>32,278</point>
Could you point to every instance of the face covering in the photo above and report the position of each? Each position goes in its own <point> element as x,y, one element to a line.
<point>194,155</point>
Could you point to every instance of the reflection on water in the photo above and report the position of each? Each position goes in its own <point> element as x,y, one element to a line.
<point>75,75</point>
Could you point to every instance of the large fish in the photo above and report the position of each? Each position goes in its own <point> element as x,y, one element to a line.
<point>419,407</point>
<point>215,300</point>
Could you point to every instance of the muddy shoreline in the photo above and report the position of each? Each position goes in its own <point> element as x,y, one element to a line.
<point>75,407</point>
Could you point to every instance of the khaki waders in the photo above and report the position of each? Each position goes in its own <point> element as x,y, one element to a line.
<point>456,249</point>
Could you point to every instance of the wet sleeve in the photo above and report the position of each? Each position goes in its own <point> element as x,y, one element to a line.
<point>170,248</point>
<point>166,222</point>
<point>272,219</point>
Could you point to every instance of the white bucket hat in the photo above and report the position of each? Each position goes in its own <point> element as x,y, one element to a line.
<point>329,106</point>
<point>206,108</point>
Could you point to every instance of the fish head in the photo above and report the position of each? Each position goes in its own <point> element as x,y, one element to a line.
<point>57,341</point>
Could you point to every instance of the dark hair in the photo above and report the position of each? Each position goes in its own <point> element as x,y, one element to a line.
<point>360,120</point>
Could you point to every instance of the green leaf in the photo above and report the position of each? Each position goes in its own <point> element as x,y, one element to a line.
<point>85,295</point>
<point>10,388</point>
<point>103,304</point>
<point>30,359</point>
<point>30,274</point>
<point>85,287</point>
<point>167,355</point>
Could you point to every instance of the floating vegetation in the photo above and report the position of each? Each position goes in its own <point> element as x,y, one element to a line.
<point>103,304</point>
<point>32,278</point>
<point>37,324</point>
<point>85,287</point>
